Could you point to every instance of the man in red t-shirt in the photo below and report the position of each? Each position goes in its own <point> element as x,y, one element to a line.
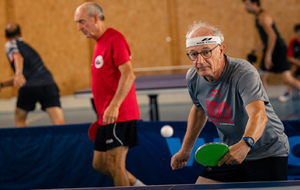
<point>114,95</point>
<point>293,54</point>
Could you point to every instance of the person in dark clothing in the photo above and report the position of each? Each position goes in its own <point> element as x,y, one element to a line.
<point>32,78</point>
<point>275,51</point>
<point>293,54</point>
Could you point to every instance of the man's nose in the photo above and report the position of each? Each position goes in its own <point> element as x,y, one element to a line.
<point>200,59</point>
<point>79,27</point>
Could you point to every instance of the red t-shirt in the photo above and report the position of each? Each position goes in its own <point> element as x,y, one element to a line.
<point>290,51</point>
<point>294,48</point>
<point>111,51</point>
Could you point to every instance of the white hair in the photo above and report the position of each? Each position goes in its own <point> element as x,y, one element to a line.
<point>94,8</point>
<point>199,25</point>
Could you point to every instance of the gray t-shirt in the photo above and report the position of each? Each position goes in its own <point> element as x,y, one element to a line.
<point>224,102</point>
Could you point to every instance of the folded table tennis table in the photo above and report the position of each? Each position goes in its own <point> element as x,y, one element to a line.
<point>151,85</point>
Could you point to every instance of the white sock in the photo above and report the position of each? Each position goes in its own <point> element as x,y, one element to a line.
<point>138,183</point>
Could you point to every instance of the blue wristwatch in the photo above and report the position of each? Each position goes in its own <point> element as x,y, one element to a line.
<point>250,141</point>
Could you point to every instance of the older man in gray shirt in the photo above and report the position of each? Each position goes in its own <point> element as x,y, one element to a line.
<point>230,93</point>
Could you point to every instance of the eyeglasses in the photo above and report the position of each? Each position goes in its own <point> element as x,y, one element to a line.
<point>206,54</point>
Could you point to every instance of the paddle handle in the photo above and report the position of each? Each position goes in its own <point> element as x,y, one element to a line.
<point>5,84</point>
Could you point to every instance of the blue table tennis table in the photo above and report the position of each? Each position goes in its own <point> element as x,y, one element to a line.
<point>275,185</point>
<point>151,85</point>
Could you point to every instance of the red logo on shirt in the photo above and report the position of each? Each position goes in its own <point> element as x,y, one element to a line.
<point>219,113</point>
<point>214,93</point>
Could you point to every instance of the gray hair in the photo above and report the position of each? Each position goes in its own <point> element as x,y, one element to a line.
<point>199,25</point>
<point>94,8</point>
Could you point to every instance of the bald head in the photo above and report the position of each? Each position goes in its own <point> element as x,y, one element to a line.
<point>91,9</point>
<point>90,20</point>
<point>12,30</point>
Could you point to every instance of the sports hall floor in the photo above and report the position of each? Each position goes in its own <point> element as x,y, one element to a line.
<point>172,107</point>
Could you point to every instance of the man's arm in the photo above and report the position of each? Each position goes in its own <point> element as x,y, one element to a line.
<point>257,119</point>
<point>126,80</point>
<point>19,79</point>
<point>266,22</point>
<point>255,127</point>
<point>196,121</point>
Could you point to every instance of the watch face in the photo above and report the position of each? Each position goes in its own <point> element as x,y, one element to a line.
<point>250,141</point>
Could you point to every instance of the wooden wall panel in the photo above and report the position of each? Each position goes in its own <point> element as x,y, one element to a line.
<point>7,13</point>
<point>230,18</point>
<point>4,65</point>
<point>145,25</point>
<point>286,14</point>
<point>50,28</point>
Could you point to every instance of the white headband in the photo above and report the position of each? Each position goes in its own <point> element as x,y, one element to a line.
<point>203,40</point>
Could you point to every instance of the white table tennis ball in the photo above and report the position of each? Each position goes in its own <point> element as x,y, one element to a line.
<point>166,131</point>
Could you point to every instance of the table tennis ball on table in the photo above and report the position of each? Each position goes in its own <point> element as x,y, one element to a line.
<point>166,131</point>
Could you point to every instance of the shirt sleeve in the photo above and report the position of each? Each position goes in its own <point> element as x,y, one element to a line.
<point>120,51</point>
<point>190,80</point>
<point>251,88</point>
<point>11,48</point>
<point>194,99</point>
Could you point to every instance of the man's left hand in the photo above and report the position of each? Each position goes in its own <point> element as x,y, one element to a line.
<point>268,62</point>
<point>19,80</point>
<point>110,114</point>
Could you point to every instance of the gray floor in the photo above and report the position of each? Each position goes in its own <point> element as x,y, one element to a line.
<point>79,110</point>
<point>172,107</point>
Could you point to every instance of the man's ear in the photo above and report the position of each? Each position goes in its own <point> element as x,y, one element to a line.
<point>96,17</point>
<point>222,50</point>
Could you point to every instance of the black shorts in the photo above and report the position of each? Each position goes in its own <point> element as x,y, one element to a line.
<point>47,96</point>
<point>115,135</point>
<point>267,169</point>
<point>279,59</point>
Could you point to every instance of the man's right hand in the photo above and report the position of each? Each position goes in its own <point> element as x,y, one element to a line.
<point>180,159</point>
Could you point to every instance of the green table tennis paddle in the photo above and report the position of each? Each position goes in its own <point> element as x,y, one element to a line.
<point>210,154</point>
